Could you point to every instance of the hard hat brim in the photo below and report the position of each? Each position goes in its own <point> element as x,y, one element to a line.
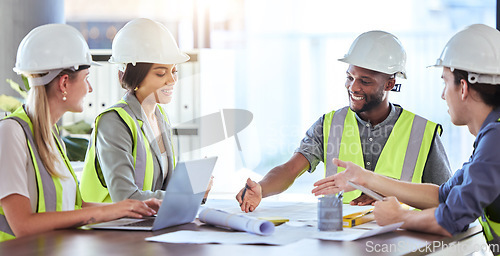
<point>180,58</point>
<point>398,74</point>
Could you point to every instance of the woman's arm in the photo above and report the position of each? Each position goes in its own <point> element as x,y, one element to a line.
<point>24,222</point>
<point>153,203</point>
<point>420,196</point>
<point>390,211</point>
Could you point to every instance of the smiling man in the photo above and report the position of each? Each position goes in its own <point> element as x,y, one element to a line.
<point>371,131</point>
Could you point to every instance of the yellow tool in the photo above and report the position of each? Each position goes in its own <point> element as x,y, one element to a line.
<point>357,218</point>
<point>275,220</point>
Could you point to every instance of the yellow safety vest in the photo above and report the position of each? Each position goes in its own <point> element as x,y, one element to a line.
<point>491,231</point>
<point>49,187</point>
<point>93,185</point>
<point>403,156</point>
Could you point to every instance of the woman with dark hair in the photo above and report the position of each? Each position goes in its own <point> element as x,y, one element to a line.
<point>471,74</point>
<point>38,188</point>
<point>131,153</point>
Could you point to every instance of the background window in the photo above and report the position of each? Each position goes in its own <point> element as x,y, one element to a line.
<point>280,63</point>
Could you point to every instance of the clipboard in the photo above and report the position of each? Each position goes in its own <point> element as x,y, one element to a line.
<point>367,191</point>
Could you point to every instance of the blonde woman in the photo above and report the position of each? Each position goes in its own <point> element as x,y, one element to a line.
<point>38,188</point>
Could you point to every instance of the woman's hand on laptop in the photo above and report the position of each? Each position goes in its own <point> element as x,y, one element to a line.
<point>153,203</point>
<point>127,208</point>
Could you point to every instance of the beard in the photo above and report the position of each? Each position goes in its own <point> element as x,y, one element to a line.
<point>372,101</point>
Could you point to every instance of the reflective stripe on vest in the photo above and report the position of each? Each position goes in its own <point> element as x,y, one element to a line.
<point>141,148</point>
<point>490,231</point>
<point>93,185</point>
<point>49,187</point>
<point>5,230</point>
<point>403,156</point>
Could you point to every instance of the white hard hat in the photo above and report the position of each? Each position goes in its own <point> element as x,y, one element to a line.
<point>50,49</point>
<point>379,51</point>
<point>144,40</point>
<point>475,49</point>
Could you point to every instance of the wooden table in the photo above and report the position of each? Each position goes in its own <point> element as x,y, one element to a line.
<point>75,242</point>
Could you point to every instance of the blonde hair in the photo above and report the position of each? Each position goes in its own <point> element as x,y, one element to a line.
<point>38,110</point>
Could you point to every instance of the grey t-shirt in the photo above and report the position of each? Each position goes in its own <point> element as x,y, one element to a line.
<point>373,138</point>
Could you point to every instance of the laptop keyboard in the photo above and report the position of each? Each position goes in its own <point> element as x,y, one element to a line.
<point>144,223</point>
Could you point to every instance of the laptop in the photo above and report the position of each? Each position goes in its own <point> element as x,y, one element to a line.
<point>183,197</point>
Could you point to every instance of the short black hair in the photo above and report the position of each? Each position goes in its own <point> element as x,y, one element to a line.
<point>489,93</point>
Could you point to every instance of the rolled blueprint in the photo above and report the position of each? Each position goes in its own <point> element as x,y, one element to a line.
<point>238,222</point>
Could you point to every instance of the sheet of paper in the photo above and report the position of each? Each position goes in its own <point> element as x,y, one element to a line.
<point>283,234</point>
<point>302,224</point>
<point>224,219</point>
<point>350,234</point>
<point>279,237</point>
<point>290,210</point>
<point>294,211</point>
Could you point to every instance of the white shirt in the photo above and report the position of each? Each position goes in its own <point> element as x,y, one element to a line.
<point>164,160</point>
<point>17,174</point>
<point>151,131</point>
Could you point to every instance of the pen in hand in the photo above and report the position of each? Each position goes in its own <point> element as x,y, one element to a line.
<point>244,191</point>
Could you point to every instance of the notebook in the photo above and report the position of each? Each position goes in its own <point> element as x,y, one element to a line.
<point>183,197</point>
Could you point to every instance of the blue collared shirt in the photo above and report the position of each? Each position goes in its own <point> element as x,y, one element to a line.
<point>475,186</point>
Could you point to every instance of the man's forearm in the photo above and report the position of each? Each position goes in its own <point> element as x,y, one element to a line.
<point>281,177</point>
<point>276,181</point>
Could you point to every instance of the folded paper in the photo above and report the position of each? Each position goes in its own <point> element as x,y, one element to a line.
<point>238,222</point>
